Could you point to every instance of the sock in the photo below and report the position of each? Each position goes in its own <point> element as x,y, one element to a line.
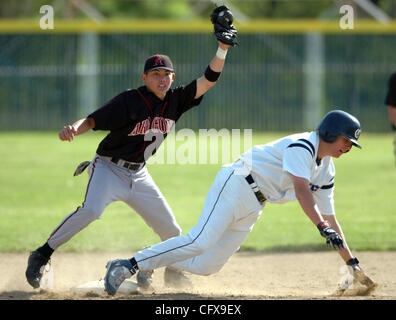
<point>46,250</point>
<point>134,263</point>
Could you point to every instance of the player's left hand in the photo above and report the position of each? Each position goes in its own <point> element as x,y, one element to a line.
<point>224,30</point>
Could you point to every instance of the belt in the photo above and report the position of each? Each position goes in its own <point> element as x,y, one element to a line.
<point>133,166</point>
<point>260,197</point>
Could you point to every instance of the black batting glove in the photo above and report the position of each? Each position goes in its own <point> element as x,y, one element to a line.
<point>331,235</point>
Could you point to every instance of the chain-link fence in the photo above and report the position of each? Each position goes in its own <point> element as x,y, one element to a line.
<point>274,82</point>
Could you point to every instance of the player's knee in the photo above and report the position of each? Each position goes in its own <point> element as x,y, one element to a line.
<point>172,231</point>
<point>201,244</point>
<point>207,269</point>
<point>92,213</point>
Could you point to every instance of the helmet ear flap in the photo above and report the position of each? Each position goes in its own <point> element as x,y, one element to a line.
<point>328,137</point>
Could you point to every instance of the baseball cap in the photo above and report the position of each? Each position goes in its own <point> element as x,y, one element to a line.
<point>158,61</point>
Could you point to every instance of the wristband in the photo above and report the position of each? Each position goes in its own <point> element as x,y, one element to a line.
<point>211,75</point>
<point>352,262</point>
<point>221,54</point>
<point>322,225</point>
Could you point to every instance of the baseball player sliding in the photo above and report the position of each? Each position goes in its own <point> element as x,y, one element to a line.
<point>298,166</point>
<point>138,121</point>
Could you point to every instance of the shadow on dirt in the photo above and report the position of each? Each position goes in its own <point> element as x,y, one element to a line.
<point>292,248</point>
<point>42,295</point>
<point>18,295</point>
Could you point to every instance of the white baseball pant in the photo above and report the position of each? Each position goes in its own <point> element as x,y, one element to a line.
<point>229,214</point>
<point>109,182</point>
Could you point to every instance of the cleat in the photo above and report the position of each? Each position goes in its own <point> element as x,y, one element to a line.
<point>117,271</point>
<point>35,268</point>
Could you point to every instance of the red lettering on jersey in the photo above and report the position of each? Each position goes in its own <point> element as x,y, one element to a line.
<point>135,131</point>
<point>162,125</point>
<point>169,124</point>
<point>145,126</point>
<point>155,124</point>
<point>158,124</point>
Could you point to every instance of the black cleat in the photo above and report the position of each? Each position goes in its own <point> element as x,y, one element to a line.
<point>35,268</point>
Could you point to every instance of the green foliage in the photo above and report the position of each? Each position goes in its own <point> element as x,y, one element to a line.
<point>144,9</point>
<point>283,9</point>
<point>180,9</point>
<point>37,191</point>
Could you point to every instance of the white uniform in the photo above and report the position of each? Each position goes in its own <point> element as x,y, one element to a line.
<point>297,155</point>
<point>231,207</point>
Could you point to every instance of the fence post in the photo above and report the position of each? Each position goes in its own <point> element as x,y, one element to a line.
<point>313,77</point>
<point>88,73</point>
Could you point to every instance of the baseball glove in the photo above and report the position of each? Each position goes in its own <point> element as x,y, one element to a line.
<point>81,167</point>
<point>224,30</point>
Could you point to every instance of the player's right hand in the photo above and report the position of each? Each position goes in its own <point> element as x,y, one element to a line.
<point>67,133</point>
<point>332,237</point>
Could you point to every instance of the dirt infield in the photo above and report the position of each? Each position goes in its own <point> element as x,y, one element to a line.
<point>248,275</point>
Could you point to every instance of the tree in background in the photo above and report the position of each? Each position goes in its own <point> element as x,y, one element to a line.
<point>180,9</point>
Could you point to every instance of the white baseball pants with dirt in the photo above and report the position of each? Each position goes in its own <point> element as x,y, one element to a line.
<point>229,214</point>
<point>109,182</point>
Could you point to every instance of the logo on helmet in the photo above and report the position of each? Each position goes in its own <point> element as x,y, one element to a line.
<point>357,133</point>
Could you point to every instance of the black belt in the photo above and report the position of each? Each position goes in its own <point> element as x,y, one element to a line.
<point>128,165</point>
<point>260,197</point>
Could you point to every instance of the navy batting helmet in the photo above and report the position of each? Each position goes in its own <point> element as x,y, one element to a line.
<point>338,122</point>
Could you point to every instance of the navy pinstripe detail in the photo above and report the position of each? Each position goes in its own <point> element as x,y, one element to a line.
<point>309,143</point>
<point>206,222</point>
<point>328,186</point>
<point>302,146</point>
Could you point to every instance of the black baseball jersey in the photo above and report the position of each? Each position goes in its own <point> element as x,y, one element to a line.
<point>390,99</point>
<point>136,112</point>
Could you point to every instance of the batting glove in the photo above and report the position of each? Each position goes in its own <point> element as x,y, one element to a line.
<point>331,235</point>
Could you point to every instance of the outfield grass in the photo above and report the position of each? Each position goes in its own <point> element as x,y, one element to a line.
<point>37,190</point>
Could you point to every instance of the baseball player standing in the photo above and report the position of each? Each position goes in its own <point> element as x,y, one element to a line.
<point>390,101</point>
<point>117,171</point>
<point>298,166</point>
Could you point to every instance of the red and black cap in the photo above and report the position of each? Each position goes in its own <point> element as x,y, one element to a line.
<point>158,61</point>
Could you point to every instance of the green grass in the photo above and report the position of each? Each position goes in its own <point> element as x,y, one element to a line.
<point>37,190</point>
